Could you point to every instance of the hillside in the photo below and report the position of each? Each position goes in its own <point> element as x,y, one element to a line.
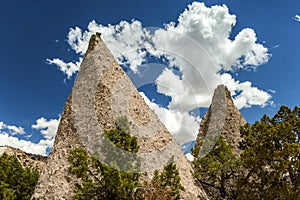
<point>32,161</point>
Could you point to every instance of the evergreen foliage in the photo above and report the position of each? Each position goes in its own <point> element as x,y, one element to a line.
<point>16,182</point>
<point>268,167</point>
<point>106,181</point>
<point>217,170</point>
<point>271,157</point>
<point>102,181</point>
<point>164,186</point>
<point>169,179</point>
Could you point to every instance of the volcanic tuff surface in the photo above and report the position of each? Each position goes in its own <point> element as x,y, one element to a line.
<point>101,93</point>
<point>32,161</point>
<point>222,118</point>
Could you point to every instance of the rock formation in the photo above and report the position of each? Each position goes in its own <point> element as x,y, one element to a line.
<point>101,93</point>
<point>32,161</point>
<point>222,118</point>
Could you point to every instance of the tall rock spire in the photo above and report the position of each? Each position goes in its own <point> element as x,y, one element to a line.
<point>222,118</point>
<point>101,93</point>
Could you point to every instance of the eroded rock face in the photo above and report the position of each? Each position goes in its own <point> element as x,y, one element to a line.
<point>32,161</point>
<point>101,93</point>
<point>222,118</point>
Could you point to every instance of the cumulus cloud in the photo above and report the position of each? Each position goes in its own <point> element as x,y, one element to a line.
<point>199,45</point>
<point>182,125</point>
<point>13,130</point>
<point>297,18</point>
<point>69,68</point>
<point>199,50</point>
<point>2,125</point>
<point>126,41</point>
<point>25,145</point>
<point>47,128</point>
<point>248,95</point>
<point>210,28</point>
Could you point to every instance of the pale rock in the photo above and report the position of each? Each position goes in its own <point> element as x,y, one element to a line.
<point>101,93</point>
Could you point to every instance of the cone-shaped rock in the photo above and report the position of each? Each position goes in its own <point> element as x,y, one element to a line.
<point>101,93</point>
<point>222,118</point>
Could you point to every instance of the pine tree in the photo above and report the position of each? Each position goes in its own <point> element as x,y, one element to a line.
<point>16,182</point>
<point>271,157</point>
<point>164,186</point>
<point>106,180</point>
<point>169,179</point>
<point>217,171</point>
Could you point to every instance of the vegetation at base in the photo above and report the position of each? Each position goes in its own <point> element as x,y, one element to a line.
<point>169,178</point>
<point>16,182</point>
<point>271,157</point>
<point>268,167</point>
<point>164,186</point>
<point>217,170</point>
<point>101,180</point>
<point>106,181</point>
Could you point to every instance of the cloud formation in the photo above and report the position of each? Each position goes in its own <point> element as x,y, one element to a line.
<point>198,49</point>
<point>48,128</point>
<point>182,125</point>
<point>126,41</point>
<point>69,68</point>
<point>248,95</point>
<point>24,145</point>
<point>297,18</point>
<point>13,130</point>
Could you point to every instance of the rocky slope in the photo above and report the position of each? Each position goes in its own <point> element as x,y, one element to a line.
<point>32,161</point>
<point>101,93</point>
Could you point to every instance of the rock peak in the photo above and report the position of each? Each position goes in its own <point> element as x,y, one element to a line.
<point>101,93</point>
<point>94,40</point>
<point>222,118</point>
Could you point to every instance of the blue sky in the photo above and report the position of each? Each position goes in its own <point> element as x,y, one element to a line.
<point>34,33</point>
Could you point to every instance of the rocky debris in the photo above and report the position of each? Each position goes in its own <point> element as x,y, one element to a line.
<point>222,118</point>
<point>29,160</point>
<point>101,93</point>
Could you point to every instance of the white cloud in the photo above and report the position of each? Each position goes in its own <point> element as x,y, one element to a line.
<point>46,127</point>
<point>297,18</point>
<point>210,29</point>
<point>126,41</point>
<point>2,125</point>
<point>190,157</point>
<point>248,95</point>
<point>69,68</point>
<point>27,146</point>
<point>272,91</point>
<point>15,130</point>
<point>182,125</point>
<point>199,45</point>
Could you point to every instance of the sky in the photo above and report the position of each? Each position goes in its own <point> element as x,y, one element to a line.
<point>175,52</point>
